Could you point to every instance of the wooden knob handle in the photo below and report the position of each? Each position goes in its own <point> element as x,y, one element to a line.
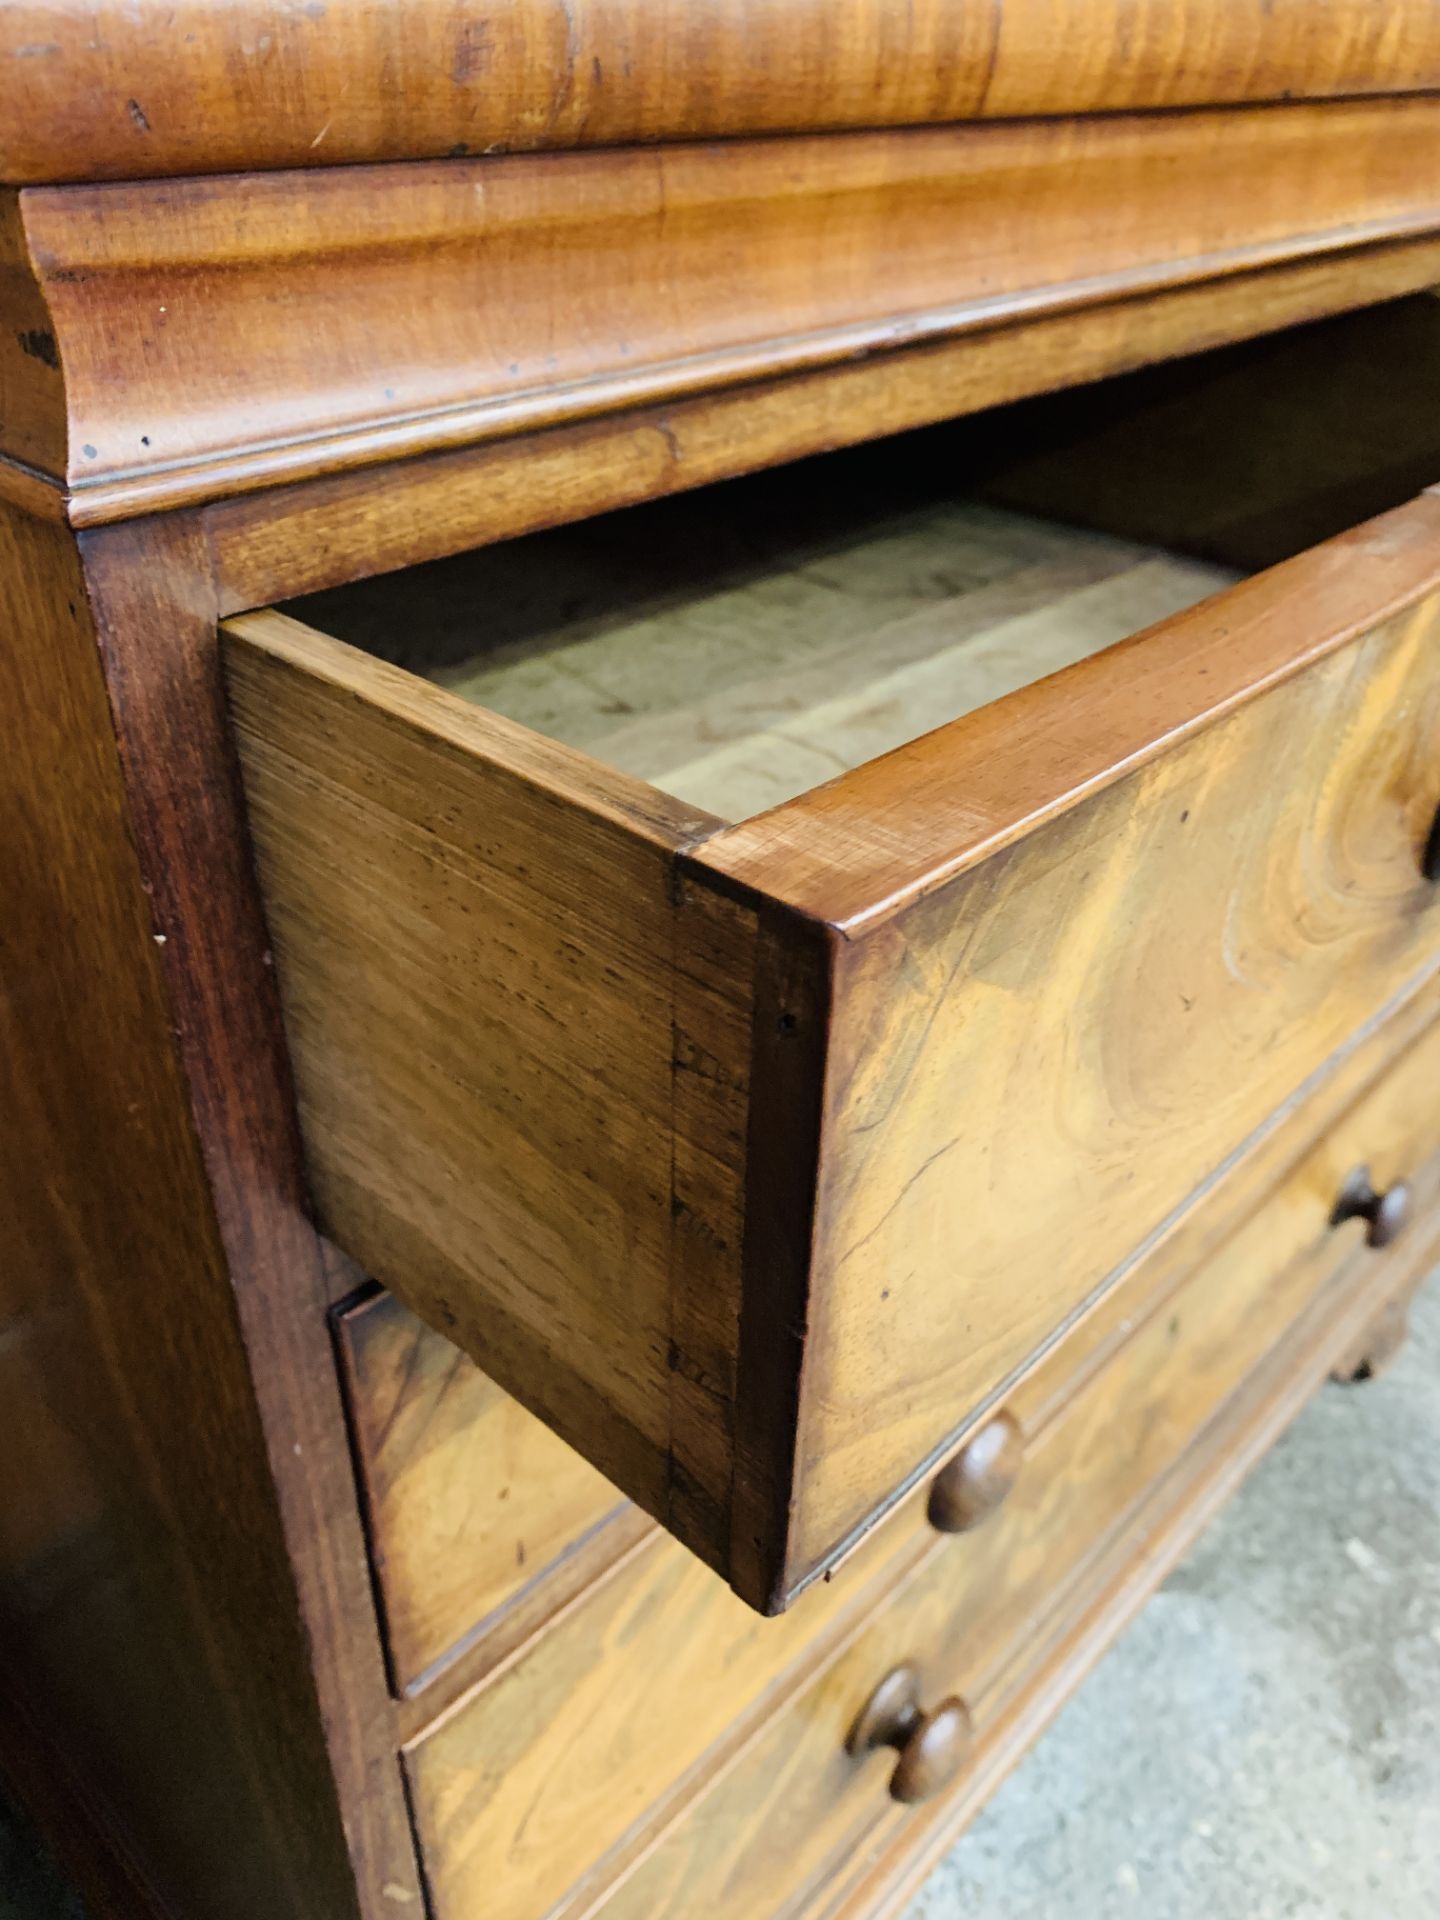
<point>1430,859</point>
<point>976,1481</point>
<point>1386,1214</point>
<point>931,1745</point>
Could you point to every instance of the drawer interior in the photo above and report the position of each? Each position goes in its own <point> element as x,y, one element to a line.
<point>744,644</point>
<point>740,646</point>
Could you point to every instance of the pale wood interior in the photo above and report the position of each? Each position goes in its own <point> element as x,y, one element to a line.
<point>742,644</point>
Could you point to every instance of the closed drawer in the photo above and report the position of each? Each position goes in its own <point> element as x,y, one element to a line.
<point>479,1518</point>
<point>1002,1618</point>
<point>549,1778</point>
<point>484,1526</point>
<point>754,1158</point>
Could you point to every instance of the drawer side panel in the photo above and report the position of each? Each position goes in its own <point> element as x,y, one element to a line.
<point>474,936</point>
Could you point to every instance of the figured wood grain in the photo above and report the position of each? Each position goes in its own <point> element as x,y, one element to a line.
<point>877,1883</point>
<point>859,848</point>
<point>763,1431</point>
<point>297,538</point>
<point>1055,1049</point>
<point>790,1825</point>
<point>540,1786</point>
<point>977,1614</point>
<point>444,292</point>
<point>449,1460</point>
<point>114,91</point>
<point>502,1073</point>
<point>472,1504</point>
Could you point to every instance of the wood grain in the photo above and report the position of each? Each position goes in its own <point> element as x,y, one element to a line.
<point>473,1506</point>
<point>114,91</point>
<point>1300,473</point>
<point>543,1783</point>
<point>857,849</point>
<point>1057,1047</point>
<point>977,1614</point>
<point>443,1454</point>
<point>297,538</point>
<point>877,1883</point>
<point>1033,966</point>
<point>445,292</point>
<point>792,1821</point>
<point>739,647</point>
<point>505,1167</point>
<point>143,1546</point>
<point>152,592</point>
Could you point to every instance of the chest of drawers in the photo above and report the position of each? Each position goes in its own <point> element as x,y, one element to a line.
<point>722,806</point>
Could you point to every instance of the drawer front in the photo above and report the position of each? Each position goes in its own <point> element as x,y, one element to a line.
<point>567,1754</point>
<point>1036,1052</point>
<point>483,1525</point>
<point>472,1506</point>
<point>1109,1496</point>
<point>754,1161</point>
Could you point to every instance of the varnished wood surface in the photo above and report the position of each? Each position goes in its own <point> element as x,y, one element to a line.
<point>275,1557</point>
<point>883,1878</point>
<point>1123,994</point>
<point>445,292</point>
<point>512,1180</point>
<point>143,1551</point>
<point>473,1506</point>
<point>845,1861</point>
<point>859,848</point>
<point>764,1448</point>
<point>120,91</point>
<point>297,538</point>
<point>1304,470</point>
<point>540,1786</point>
<point>977,1613</point>
<point>443,1457</point>
<point>152,592</point>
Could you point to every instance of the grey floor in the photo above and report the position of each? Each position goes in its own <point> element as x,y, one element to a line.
<point>1265,1742</point>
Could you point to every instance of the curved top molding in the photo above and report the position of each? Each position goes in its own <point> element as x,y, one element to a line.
<point>169,342</point>
<point>144,88</point>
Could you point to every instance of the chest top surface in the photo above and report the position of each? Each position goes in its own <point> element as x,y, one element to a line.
<point>116,91</point>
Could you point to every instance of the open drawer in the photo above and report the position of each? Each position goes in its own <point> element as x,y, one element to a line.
<point>755,1157</point>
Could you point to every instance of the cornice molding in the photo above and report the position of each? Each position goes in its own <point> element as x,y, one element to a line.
<point>170,343</point>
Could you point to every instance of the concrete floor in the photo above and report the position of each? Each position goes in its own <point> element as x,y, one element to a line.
<point>1265,1742</point>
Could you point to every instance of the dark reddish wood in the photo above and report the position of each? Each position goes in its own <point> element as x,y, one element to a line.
<point>932,1743</point>
<point>975,1482</point>
<point>163,348</point>
<point>154,603</point>
<point>174,1495</point>
<point>1386,1214</point>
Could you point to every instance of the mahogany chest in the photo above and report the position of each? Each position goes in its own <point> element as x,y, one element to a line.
<point>721,838</point>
